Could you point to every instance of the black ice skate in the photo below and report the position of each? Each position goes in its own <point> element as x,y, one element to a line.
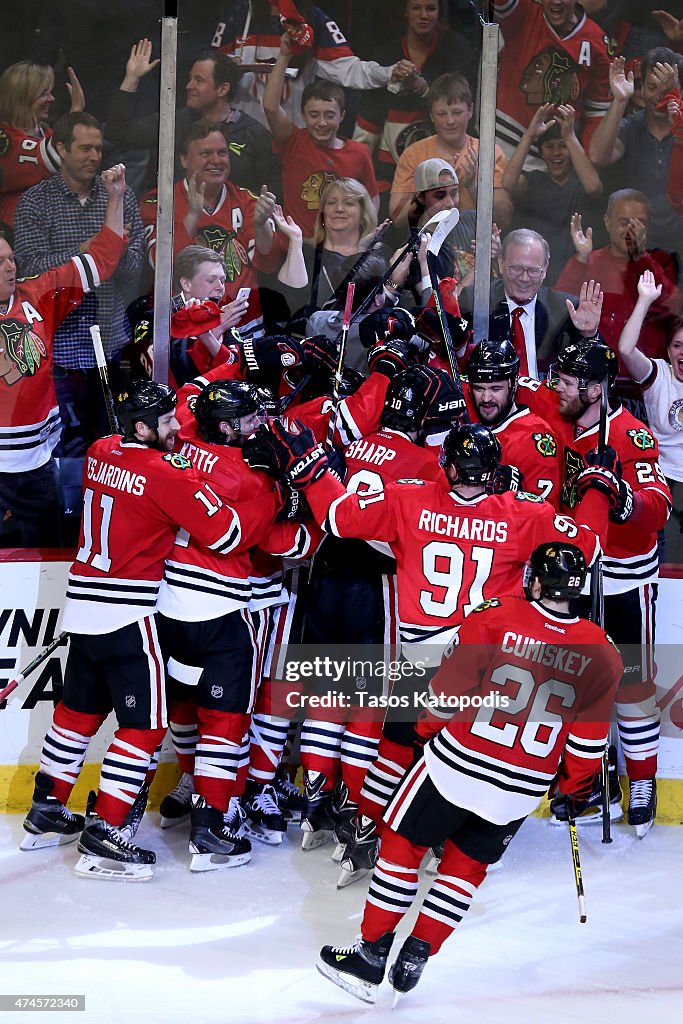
<point>106,853</point>
<point>360,852</point>
<point>291,800</point>
<point>358,969</point>
<point>407,969</point>
<point>49,822</point>
<point>342,810</point>
<point>135,815</point>
<point>264,820</point>
<point>212,844</point>
<point>317,823</point>
<point>176,805</point>
<point>589,810</point>
<point>642,805</point>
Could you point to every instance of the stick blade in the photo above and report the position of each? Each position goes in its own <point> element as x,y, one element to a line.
<point>442,232</point>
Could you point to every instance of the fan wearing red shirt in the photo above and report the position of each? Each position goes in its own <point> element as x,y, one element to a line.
<point>313,155</point>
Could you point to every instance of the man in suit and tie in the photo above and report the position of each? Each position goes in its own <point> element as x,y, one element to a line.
<point>539,322</point>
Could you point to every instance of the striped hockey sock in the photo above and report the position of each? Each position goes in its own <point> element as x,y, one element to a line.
<point>449,897</point>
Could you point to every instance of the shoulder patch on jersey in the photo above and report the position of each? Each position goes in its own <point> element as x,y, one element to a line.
<point>527,496</point>
<point>150,201</point>
<point>178,461</point>
<point>641,438</point>
<point>492,602</point>
<point>4,142</point>
<point>545,444</point>
<point>410,480</point>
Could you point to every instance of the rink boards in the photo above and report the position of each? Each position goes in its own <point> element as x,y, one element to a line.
<point>32,598</point>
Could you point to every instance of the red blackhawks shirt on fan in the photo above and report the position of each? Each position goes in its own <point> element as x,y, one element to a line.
<point>29,415</point>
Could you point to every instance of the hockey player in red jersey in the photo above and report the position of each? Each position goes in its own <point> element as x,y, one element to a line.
<point>484,771</point>
<point>351,599</point>
<point>213,640</point>
<point>630,560</point>
<point>137,493</point>
<point>30,425</point>
<point>526,440</point>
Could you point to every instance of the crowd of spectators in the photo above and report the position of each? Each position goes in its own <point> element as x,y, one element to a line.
<point>311,141</point>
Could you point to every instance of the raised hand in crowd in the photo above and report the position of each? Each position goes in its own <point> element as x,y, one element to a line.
<point>671,26</point>
<point>621,84</point>
<point>293,271</point>
<point>543,119</point>
<point>583,240</point>
<point>138,65</point>
<point>75,91</point>
<point>636,238</point>
<point>665,78</point>
<point>586,316</point>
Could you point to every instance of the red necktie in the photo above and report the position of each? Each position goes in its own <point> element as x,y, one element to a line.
<point>518,340</point>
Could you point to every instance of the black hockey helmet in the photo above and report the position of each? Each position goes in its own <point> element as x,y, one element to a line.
<point>560,569</point>
<point>322,383</point>
<point>383,324</point>
<point>473,450</point>
<point>226,401</point>
<point>144,400</point>
<point>588,361</point>
<point>492,361</point>
<point>408,398</point>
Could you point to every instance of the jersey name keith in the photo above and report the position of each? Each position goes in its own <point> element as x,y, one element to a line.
<point>490,530</point>
<point>114,476</point>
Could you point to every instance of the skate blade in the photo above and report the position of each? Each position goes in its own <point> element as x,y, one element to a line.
<point>89,866</point>
<point>269,836</point>
<point>363,990</point>
<point>216,861</point>
<point>292,817</point>
<point>398,996</point>
<point>172,822</point>
<point>44,840</point>
<point>642,830</point>
<point>338,853</point>
<point>615,814</point>
<point>312,840</point>
<point>348,876</point>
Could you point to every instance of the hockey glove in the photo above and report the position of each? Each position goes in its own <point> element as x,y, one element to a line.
<point>571,805</point>
<point>295,508</point>
<point>623,510</point>
<point>336,463</point>
<point>320,353</point>
<point>389,358</point>
<point>291,451</point>
<point>272,355</point>
<point>503,479</point>
<point>603,471</point>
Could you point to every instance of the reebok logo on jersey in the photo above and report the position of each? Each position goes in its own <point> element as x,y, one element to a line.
<point>641,438</point>
<point>545,444</point>
<point>177,460</point>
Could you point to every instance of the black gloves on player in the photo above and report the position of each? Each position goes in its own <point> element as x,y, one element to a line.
<point>320,353</point>
<point>295,508</point>
<point>570,805</point>
<point>603,471</point>
<point>272,355</point>
<point>389,357</point>
<point>286,449</point>
<point>504,478</point>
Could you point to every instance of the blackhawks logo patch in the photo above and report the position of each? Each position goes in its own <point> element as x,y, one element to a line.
<point>641,438</point>
<point>4,142</point>
<point>410,480</point>
<point>178,461</point>
<point>545,444</point>
<point>491,603</point>
<point>527,496</point>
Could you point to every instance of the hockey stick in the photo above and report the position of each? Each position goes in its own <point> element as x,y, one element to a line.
<point>438,238</point>
<point>38,660</point>
<point>598,610</point>
<point>336,390</point>
<point>578,876</point>
<point>101,361</point>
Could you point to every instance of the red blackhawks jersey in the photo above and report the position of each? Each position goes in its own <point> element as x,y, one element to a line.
<point>29,415</point>
<point>630,550</point>
<point>451,553</point>
<point>24,161</point>
<point>536,66</point>
<point>229,230</point>
<point>559,674</point>
<point>199,584</point>
<point>358,414</point>
<point>134,500</point>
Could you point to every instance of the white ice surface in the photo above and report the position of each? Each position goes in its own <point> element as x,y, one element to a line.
<point>239,946</point>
